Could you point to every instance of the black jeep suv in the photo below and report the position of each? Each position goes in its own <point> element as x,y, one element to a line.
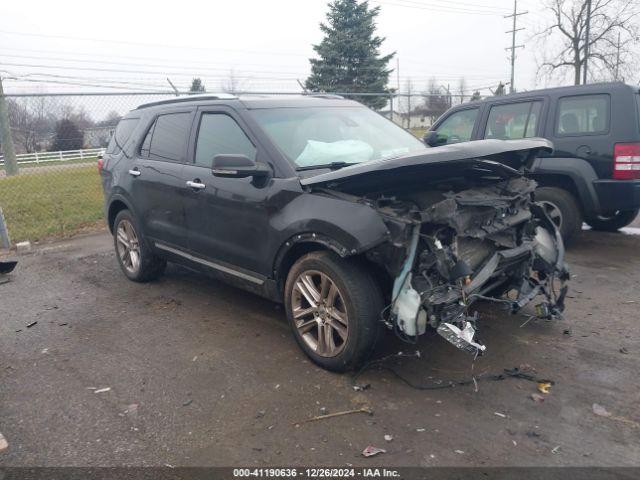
<point>322,204</point>
<point>593,172</point>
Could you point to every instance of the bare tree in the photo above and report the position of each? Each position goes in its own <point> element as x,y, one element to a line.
<point>564,40</point>
<point>437,100</point>
<point>407,102</point>
<point>462,88</point>
<point>32,122</point>
<point>233,83</point>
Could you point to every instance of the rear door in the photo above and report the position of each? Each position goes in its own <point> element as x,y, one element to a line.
<point>580,127</point>
<point>226,217</point>
<point>157,186</point>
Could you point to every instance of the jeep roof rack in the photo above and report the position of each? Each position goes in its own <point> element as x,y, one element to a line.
<point>190,98</point>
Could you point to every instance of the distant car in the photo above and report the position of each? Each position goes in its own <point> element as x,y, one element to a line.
<point>322,204</point>
<point>593,173</point>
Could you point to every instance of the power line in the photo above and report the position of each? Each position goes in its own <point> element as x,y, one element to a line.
<point>153,45</point>
<point>513,47</point>
<point>432,8</point>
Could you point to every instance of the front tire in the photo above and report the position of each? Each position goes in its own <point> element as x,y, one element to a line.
<point>333,306</point>
<point>562,208</point>
<point>615,222</point>
<point>136,259</point>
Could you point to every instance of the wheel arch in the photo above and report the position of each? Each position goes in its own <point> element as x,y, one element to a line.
<point>572,174</point>
<point>296,247</point>
<point>116,205</point>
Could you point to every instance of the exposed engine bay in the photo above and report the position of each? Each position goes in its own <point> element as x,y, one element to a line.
<point>456,243</point>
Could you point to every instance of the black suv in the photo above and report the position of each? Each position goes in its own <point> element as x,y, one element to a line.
<point>322,204</point>
<point>593,172</point>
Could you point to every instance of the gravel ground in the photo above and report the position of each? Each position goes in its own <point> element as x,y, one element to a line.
<point>203,374</point>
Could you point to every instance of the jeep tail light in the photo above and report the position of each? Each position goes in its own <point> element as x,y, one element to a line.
<point>626,161</point>
<point>100,162</point>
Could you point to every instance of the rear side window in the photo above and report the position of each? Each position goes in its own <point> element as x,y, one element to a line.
<point>583,115</point>
<point>513,121</point>
<point>122,134</point>
<point>220,134</point>
<point>458,127</point>
<point>167,138</point>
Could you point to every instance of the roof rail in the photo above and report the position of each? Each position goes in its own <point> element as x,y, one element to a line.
<point>190,98</point>
<point>325,95</point>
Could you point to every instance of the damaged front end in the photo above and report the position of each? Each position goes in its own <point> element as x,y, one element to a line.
<point>488,242</point>
<point>462,226</point>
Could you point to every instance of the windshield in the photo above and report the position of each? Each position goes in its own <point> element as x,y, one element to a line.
<point>330,136</point>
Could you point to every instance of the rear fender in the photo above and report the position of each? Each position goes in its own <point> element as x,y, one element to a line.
<point>578,171</point>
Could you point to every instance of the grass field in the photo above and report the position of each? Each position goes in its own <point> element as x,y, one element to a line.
<point>53,203</point>
<point>419,132</point>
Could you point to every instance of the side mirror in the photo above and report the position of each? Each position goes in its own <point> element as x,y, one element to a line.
<point>431,138</point>
<point>237,166</point>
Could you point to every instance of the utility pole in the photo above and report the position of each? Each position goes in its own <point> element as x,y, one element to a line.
<point>513,46</point>
<point>586,43</point>
<point>10,163</point>
<point>618,59</point>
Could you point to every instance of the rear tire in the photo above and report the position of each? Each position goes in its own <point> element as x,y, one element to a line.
<point>136,259</point>
<point>563,209</point>
<point>333,306</point>
<point>614,222</point>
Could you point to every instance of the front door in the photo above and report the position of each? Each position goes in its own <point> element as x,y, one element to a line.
<point>226,217</point>
<point>157,185</point>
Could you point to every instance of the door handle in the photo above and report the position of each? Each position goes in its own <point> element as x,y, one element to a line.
<point>135,172</point>
<point>196,184</point>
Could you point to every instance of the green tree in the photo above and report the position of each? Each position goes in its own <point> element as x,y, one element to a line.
<point>349,55</point>
<point>197,86</point>
<point>68,136</point>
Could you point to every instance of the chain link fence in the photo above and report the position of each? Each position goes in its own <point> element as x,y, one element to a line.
<point>56,190</point>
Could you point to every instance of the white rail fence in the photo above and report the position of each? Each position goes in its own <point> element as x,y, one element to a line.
<point>37,158</point>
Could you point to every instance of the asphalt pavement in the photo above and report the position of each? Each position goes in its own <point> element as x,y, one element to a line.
<point>99,371</point>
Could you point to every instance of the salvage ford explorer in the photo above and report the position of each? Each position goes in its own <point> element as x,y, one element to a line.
<point>322,204</point>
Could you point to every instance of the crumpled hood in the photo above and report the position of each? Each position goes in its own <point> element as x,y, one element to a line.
<point>512,153</point>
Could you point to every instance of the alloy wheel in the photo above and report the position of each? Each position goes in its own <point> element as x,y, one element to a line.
<point>554,213</point>
<point>128,246</point>
<point>319,313</point>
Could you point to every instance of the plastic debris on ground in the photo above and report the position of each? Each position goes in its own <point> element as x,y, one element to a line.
<point>388,438</point>
<point>600,410</point>
<point>536,397</point>
<point>370,451</point>
<point>544,386</point>
<point>3,443</point>
<point>103,390</point>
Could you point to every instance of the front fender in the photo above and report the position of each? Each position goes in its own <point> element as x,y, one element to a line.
<point>347,227</point>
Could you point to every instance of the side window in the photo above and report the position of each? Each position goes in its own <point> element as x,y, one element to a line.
<point>144,149</point>
<point>123,132</point>
<point>458,127</point>
<point>584,114</point>
<point>513,121</point>
<point>167,139</point>
<point>220,134</point>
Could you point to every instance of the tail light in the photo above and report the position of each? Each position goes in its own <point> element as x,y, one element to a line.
<point>626,161</point>
<point>100,163</point>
